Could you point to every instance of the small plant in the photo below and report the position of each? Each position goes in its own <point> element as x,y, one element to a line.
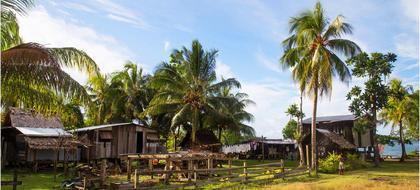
<point>330,163</point>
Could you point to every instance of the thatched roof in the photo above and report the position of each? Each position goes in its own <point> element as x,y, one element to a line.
<point>17,117</point>
<point>51,143</point>
<point>203,137</point>
<point>337,139</point>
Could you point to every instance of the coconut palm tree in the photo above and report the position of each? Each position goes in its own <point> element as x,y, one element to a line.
<point>32,73</point>
<point>136,95</point>
<point>311,50</point>
<point>187,85</point>
<point>232,114</point>
<point>398,110</point>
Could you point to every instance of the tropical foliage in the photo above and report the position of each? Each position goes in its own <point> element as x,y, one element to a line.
<point>32,75</point>
<point>186,87</point>
<point>312,51</point>
<point>399,111</point>
<point>365,103</point>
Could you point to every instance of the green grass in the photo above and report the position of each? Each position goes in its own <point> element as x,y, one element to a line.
<point>35,181</point>
<point>390,175</point>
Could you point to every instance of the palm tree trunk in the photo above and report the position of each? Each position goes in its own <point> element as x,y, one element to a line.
<point>403,153</point>
<point>300,146</point>
<point>194,126</point>
<point>313,132</point>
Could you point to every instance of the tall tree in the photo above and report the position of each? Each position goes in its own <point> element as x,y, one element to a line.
<point>368,102</point>
<point>398,110</point>
<point>311,52</point>
<point>187,86</point>
<point>31,74</point>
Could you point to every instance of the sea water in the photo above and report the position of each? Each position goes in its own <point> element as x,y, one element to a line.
<point>395,151</point>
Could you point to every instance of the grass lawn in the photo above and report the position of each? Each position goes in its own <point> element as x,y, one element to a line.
<point>36,181</point>
<point>390,175</point>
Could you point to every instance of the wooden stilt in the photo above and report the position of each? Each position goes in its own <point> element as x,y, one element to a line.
<point>103,171</point>
<point>128,169</point>
<point>230,166</point>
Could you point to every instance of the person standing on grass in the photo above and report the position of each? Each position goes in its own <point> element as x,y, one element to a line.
<point>341,166</point>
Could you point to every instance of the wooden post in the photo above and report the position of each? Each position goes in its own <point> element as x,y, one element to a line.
<point>84,183</point>
<point>167,168</point>
<point>245,172</point>
<point>209,166</point>
<point>190,167</point>
<point>230,166</point>
<point>35,167</point>
<point>55,163</point>
<point>195,173</point>
<point>103,171</point>
<point>65,162</point>
<point>151,167</point>
<point>195,176</point>
<point>262,146</point>
<point>307,159</point>
<point>136,179</point>
<point>14,179</point>
<point>128,169</point>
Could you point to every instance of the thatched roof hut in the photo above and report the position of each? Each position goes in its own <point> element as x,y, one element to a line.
<point>33,136</point>
<point>205,140</point>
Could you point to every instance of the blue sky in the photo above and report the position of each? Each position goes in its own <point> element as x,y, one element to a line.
<point>247,34</point>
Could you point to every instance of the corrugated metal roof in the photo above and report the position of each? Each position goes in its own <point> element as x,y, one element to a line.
<point>109,125</point>
<point>278,142</point>
<point>43,132</point>
<point>334,118</point>
<point>100,127</point>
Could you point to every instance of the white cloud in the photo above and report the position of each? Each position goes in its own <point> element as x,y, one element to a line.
<point>80,7</point>
<point>267,62</point>
<point>223,70</point>
<point>166,46</point>
<point>407,46</point>
<point>38,26</point>
<point>120,13</point>
<point>411,9</point>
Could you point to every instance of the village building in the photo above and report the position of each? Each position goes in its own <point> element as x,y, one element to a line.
<point>113,140</point>
<point>262,148</point>
<point>31,138</point>
<point>336,133</point>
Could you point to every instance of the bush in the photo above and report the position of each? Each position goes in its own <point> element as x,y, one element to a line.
<point>353,162</point>
<point>330,163</point>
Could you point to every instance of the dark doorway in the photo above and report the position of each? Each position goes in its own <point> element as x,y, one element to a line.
<point>139,142</point>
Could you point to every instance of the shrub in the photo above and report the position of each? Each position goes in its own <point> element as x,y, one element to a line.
<point>330,163</point>
<point>353,162</point>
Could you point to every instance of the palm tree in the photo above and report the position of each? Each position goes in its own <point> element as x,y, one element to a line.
<point>136,95</point>
<point>31,74</point>
<point>294,111</point>
<point>311,52</point>
<point>102,94</point>
<point>400,106</point>
<point>232,114</point>
<point>186,86</point>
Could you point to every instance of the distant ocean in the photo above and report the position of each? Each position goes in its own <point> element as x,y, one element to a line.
<point>395,151</point>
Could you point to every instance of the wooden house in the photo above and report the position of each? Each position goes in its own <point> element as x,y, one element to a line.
<point>29,137</point>
<point>336,133</point>
<point>113,140</point>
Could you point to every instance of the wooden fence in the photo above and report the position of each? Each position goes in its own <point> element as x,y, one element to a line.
<point>235,175</point>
